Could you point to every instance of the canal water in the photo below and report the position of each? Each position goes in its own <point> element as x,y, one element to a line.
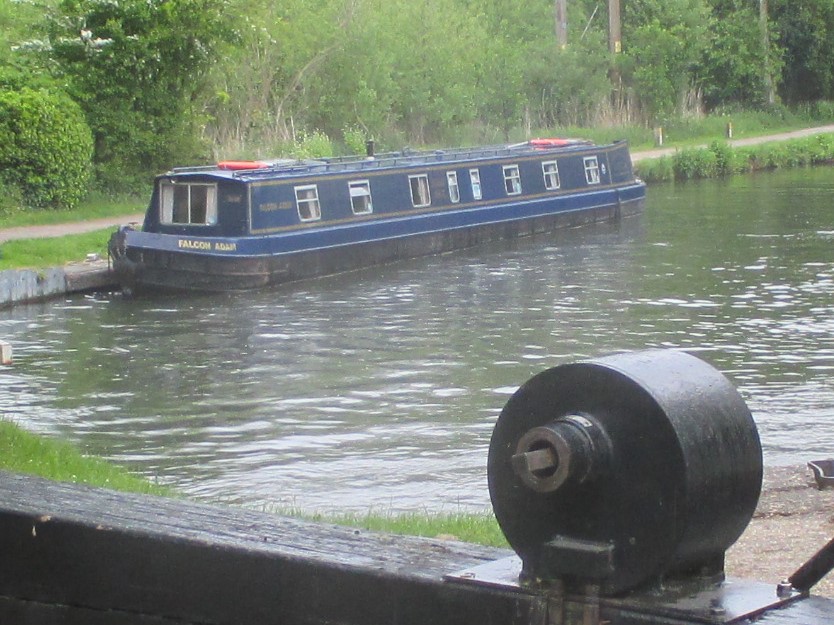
<point>378,389</point>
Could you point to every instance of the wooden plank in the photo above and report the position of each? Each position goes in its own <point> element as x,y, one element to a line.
<point>73,554</point>
<point>100,550</point>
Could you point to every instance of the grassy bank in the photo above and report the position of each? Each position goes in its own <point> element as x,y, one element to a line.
<point>24,452</point>
<point>53,252</point>
<point>719,159</point>
<point>96,206</point>
<point>469,527</point>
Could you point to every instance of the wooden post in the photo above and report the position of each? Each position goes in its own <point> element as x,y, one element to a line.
<point>5,353</point>
<point>562,24</point>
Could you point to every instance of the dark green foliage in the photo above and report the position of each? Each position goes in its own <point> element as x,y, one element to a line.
<point>137,67</point>
<point>806,33</point>
<point>735,63</point>
<point>45,147</point>
<point>167,82</point>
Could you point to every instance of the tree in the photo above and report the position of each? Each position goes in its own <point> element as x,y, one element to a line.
<point>137,67</point>
<point>806,33</point>
<point>663,42</point>
<point>735,63</point>
<point>259,91</point>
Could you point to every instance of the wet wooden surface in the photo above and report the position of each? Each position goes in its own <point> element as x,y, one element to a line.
<point>73,554</point>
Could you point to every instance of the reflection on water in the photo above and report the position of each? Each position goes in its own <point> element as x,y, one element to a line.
<point>378,389</point>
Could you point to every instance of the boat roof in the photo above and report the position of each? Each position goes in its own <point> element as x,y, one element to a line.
<point>278,168</point>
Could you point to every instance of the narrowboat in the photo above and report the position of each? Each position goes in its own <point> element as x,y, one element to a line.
<point>249,224</point>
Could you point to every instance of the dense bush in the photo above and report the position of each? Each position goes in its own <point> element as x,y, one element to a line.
<point>720,159</point>
<point>45,147</point>
<point>694,163</point>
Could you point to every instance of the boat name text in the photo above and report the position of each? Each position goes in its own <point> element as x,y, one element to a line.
<point>207,246</point>
<point>274,206</point>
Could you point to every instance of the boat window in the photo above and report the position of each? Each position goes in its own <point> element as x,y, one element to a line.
<point>360,197</point>
<point>551,175</point>
<point>591,169</point>
<point>307,200</point>
<point>512,179</point>
<point>475,181</point>
<point>454,191</point>
<point>419,190</point>
<point>188,203</point>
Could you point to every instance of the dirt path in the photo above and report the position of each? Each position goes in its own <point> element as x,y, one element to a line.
<point>792,522</point>
<point>782,136</point>
<point>59,230</point>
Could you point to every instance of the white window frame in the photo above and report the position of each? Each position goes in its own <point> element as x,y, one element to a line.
<point>475,181</point>
<point>454,189</point>
<point>310,202</point>
<point>420,192</point>
<point>360,197</point>
<point>550,172</point>
<point>169,190</point>
<point>591,169</point>
<point>512,180</point>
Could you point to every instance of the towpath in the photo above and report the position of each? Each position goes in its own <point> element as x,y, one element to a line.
<point>62,229</point>
<point>58,230</point>
<point>737,143</point>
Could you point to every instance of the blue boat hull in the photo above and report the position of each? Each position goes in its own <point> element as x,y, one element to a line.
<point>151,264</point>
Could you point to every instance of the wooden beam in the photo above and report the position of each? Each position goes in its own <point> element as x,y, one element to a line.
<point>74,554</point>
<point>138,559</point>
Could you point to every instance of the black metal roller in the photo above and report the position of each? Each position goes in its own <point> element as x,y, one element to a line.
<point>618,471</point>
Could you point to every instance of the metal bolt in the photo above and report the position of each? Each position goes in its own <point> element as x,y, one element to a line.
<point>784,588</point>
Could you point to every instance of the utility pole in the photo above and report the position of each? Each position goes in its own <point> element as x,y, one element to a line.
<point>615,37</point>
<point>615,46</point>
<point>768,79</point>
<point>562,23</point>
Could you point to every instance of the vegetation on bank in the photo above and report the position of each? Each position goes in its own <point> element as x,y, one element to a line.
<point>158,83</point>
<point>54,251</point>
<point>719,159</point>
<point>24,452</point>
<point>93,206</point>
<point>468,527</point>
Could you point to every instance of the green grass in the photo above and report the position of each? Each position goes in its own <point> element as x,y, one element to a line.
<point>689,132</point>
<point>96,206</point>
<point>24,452</point>
<point>53,252</point>
<point>719,159</point>
<point>467,527</point>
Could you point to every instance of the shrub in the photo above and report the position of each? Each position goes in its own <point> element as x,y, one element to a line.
<point>315,144</point>
<point>10,199</point>
<point>656,170</point>
<point>694,163</point>
<point>45,147</point>
<point>355,139</point>
<point>724,158</point>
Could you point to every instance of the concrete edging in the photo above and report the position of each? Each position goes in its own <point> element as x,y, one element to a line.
<point>20,286</point>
